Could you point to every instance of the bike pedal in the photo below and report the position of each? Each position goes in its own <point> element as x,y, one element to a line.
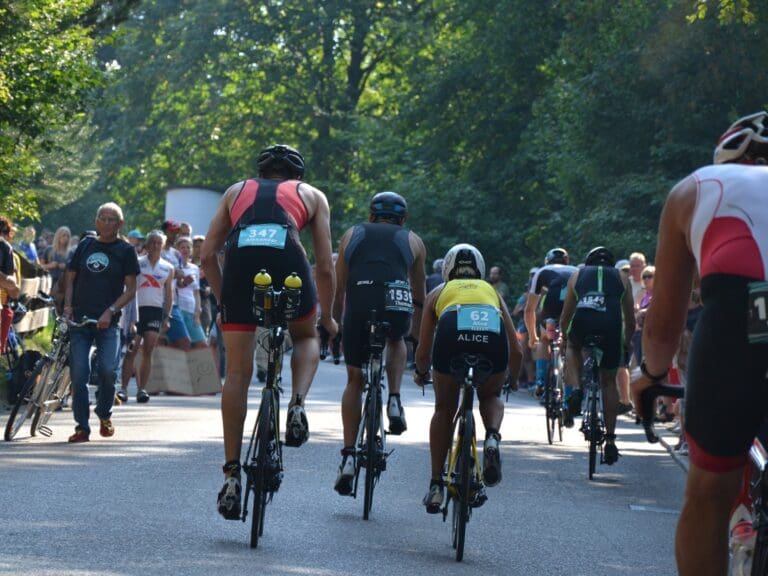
<point>45,431</point>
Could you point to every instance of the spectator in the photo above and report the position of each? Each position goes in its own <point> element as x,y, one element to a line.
<point>636,266</point>
<point>55,262</point>
<point>9,282</point>
<point>622,373</point>
<point>136,239</point>
<point>495,277</point>
<point>28,246</point>
<point>100,280</point>
<point>436,278</point>
<point>188,294</point>
<point>185,229</point>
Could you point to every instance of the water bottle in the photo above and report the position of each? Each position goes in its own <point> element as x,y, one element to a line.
<point>262,296</point>
<point>291,296</point>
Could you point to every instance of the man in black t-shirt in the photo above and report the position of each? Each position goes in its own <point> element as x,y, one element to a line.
<point>100,280</point>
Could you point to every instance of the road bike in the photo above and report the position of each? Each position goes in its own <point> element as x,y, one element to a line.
<point>371,440</point>
<point>462,475</point>
<point>263,464</point>
<point>593,419</point>
<point>48,386</point>
<point>553,386</point>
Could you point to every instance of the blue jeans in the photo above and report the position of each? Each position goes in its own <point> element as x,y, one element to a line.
<point>107,343</point>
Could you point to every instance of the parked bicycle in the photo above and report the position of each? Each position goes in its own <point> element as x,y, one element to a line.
<point>462,475</point>
<point>593,419</point>
<point>371,440</point>
<point>264,458</point>
<point>553,386</point>
<point>47,386</point>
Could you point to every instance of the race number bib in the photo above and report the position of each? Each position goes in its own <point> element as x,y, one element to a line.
<point>592,301</point>
<point>478,318</point>
<point>268,235</point>
<point>757,321</point>
<point>398,297</point>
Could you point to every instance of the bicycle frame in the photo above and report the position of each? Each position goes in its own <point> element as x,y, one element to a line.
<point>371,440</point>
<point>553,388</point>
<point>593,421</point>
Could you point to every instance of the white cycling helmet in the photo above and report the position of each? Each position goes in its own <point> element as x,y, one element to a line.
<point>463,261</point>
<point>733,145</point>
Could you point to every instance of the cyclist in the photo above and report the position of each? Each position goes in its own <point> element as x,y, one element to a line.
<point>381,266</point>
<point>598,303</point>
<point>100,280</point>
<point>714,222</point>
<point>549,282</point>
<point>258,223</point>
<point>464,288</point>
<point>154,296</point>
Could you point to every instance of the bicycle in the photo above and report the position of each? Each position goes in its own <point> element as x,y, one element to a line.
<point>371,440</point>
<point>593,420</point>
<point>553,386</point>
<point>264,458</point>
<point>47,386</point>
<point>462,475</point>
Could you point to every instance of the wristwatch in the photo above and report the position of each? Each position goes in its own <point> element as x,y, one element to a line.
<point>113,309</point>
<point>654,377</point>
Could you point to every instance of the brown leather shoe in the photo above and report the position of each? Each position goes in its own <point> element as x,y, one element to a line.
<point>106,429</point>
<point>79,436</point>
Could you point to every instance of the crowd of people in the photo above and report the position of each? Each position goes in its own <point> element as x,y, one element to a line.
<point>189,291</point>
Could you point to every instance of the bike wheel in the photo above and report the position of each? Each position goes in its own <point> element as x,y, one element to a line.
<point>49,401</point>
<point>25,403</point>
<point>258,467</point>
<point>549,406</point>
<point>594,431</point>
<point>373,417</point>
<point>464,469</point>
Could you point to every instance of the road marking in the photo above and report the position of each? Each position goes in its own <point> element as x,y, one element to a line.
<point>639,508</point>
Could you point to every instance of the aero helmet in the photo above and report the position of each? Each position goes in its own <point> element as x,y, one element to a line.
<point>283,159</point>
<point>599,256</point>
<point>556,256</point>
<point>389,205</point>
<point>463,261</point>
<point>734,144</point>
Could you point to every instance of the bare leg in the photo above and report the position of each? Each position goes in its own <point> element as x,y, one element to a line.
<point>305,357</point>
<point>622,380</point>
<point>701,544</point>
<point>396,355</point>
<point>446,402</point>
<point>610,399</point>
<point>491,405</point>
<point>148,345</point>
<point>234,395</point>
<point>351,405</point>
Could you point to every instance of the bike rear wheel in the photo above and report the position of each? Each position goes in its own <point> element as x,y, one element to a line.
<point>594,431</point>
<point>373,417</point>
<point>258,467</point>
<point>464,469</point>
<point>25,405</point>
<point>549,406</point>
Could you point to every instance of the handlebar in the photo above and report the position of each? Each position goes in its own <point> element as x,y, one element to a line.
<point>647,398</point>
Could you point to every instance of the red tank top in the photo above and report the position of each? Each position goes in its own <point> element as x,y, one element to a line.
<point>287,197</point>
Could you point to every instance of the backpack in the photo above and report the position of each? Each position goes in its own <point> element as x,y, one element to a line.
<point>20,373</point>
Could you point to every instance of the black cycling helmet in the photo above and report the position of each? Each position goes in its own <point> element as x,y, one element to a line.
<point>389,205</point>
<point>556,256</point>
<point>599,256</point>
<point>282,159</point>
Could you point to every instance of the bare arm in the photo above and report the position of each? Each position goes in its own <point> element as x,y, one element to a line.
<point>8,283</point>
<point>418,280</point>
<point>569,306</point>
<point>675,266</point>
<point>531,303</point>
<point>341,277</point>
<point>423,354</point>
<point>515,351</point>
<point>218,231</point>
<point>320,225</point>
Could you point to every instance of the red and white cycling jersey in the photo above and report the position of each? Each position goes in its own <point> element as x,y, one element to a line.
<point>150,281</point>
<point>729,227</point>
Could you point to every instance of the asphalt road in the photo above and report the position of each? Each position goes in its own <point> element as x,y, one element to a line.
<point>143,502</point>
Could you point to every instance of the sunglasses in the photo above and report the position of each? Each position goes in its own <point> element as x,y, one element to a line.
<point>646,276</point>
